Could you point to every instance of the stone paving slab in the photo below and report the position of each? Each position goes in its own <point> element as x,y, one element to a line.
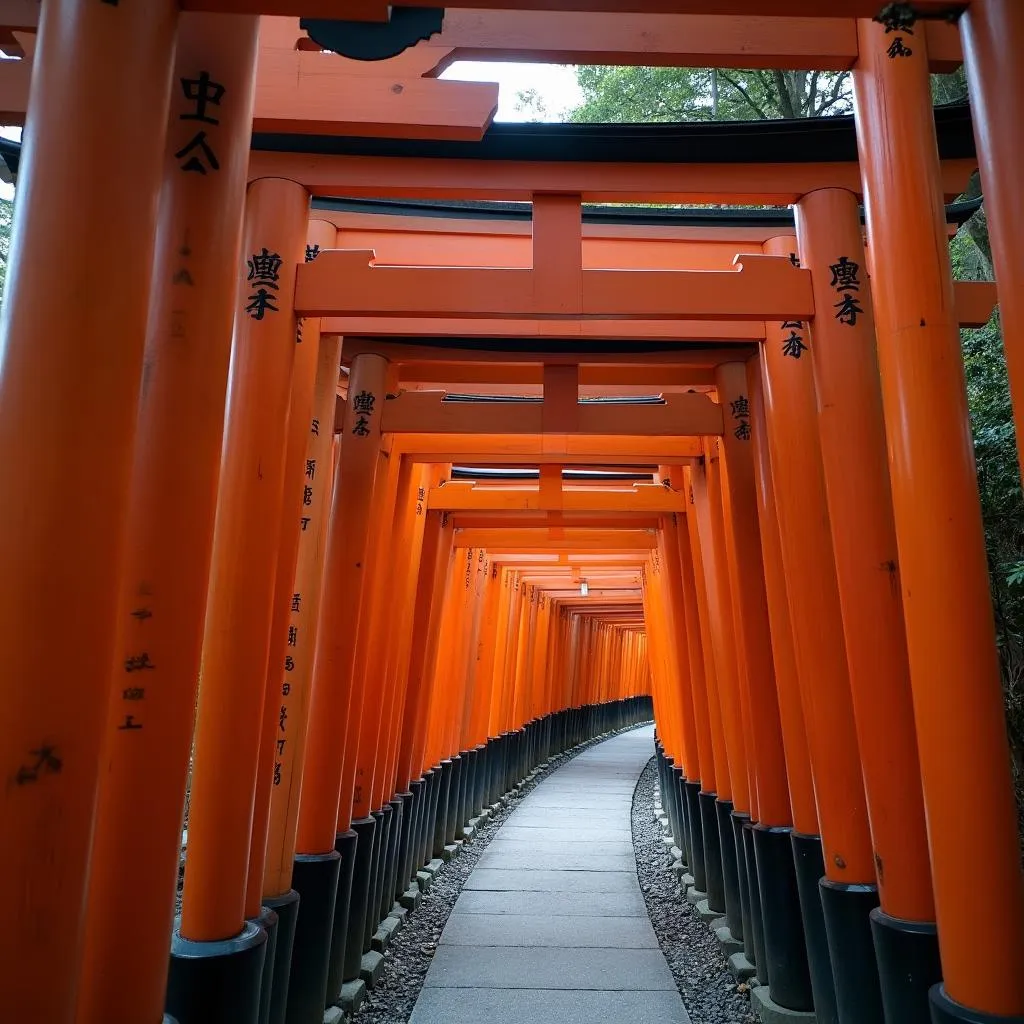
<point>554,904</point>
<point>593,848</point>
<point>539,859</point>
<point>546,930</point>
<point>533,1006</point>
<point>551,881</point>
<point>577,829</point>
<point>547,968</point>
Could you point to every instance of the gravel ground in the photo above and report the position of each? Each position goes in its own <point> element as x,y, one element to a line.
<point>407,959</point>
<point>697,964</point>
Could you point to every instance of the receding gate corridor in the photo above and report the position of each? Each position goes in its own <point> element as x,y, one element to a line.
<point>551,925</point>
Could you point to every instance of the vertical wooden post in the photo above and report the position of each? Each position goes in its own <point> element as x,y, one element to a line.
<point>852,429</point>
<point>170,526</point>
<point>775,904</point>
<point>71,359</point>
<point>849,893</point>
<point>358,459</point>
<point>954,670</point>
<point>237,636</point>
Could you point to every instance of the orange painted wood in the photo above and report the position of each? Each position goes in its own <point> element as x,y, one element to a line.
<point>239,613</point>
<point>343,282</point>
<point>445,178</point>
<point>947,606</point>
<point>137,828</point>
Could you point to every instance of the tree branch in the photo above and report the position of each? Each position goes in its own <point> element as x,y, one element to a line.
<point>746,96</point>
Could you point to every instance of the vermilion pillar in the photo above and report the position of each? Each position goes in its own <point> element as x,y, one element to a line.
<point>852,431</point>
<point>71,355</point>
<point>237,636</point>
<point>993,36</point>
<point>954,670</point>
<point>170,529</point>
<point>774,899</point>
<point>848,892</point>
<point>355,481</point>
<point>314,876</point>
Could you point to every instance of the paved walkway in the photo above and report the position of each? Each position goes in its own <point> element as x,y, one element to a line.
<point>551,926</point>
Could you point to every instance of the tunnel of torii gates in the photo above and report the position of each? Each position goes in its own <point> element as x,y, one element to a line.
<point>581,464</point>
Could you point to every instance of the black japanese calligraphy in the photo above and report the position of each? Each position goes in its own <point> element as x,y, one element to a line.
<point>265,276</point>
<point>793,346</point>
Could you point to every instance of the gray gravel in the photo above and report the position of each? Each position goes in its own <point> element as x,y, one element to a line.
<point>407,959</point>
<point>697,964</point>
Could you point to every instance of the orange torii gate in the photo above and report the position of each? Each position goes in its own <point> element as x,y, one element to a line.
<point>875,726</point>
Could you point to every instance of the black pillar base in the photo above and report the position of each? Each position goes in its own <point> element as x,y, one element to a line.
<point>847,911</point>
<point>746,933</point>
<point>908,966</point>
<point>946,1011</point>
<point>269,922</point>
<point>700,878</point>
<point>809,862</point>
<point>217,982</point>
<point>451,827</point>
<point>712,851</point>
<point>785,951</point>
<point>286,907</point>
<point>380,850</point>
<point>365,829</point>
<point>684,818</point>
<point>730,868</point>
<point>754,899</point>
<point>315,878</point>
<point>441,813</point>
<point>410,835</point>
<point>387,896</point>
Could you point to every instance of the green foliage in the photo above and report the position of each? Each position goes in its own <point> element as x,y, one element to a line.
<point>6,217</point>
<point>627,94</point>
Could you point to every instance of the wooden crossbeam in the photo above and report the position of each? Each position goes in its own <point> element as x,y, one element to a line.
<point>426,412</point>
<point>456,496</point>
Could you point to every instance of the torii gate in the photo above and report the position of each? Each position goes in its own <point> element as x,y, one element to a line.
<point>74,328</point>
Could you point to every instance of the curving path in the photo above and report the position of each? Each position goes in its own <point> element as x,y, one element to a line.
<point>551,927</point>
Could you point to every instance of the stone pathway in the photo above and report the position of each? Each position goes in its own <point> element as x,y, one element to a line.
<point>550,927</point>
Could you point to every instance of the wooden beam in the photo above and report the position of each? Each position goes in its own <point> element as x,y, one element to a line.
<point>569,540</point>
<point>538,450</point>
<point>376,177</point>
<point>459,496</point>
<point>319,94</point>
<point>669,40</point>
<point>426,412</point>
<point>554,521</point>
<point>346,282</point>
<point>377,10</point>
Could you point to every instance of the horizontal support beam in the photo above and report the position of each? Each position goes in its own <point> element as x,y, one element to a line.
<point>554,521</point>
<point>668,40</point>
<point>569,540</point>
<point>377,10</point>
<point>426,412</point>
<point>456,496</point>
<point>346,282</point>
<point>378,177</point>
<point>545,450</point>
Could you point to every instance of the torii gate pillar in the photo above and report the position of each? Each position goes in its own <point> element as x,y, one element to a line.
<point>954,670</point>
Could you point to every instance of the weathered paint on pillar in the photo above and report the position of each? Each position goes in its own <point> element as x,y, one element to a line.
<point>170,529</point>
<point>954,670</point>
<point>71,357</point>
